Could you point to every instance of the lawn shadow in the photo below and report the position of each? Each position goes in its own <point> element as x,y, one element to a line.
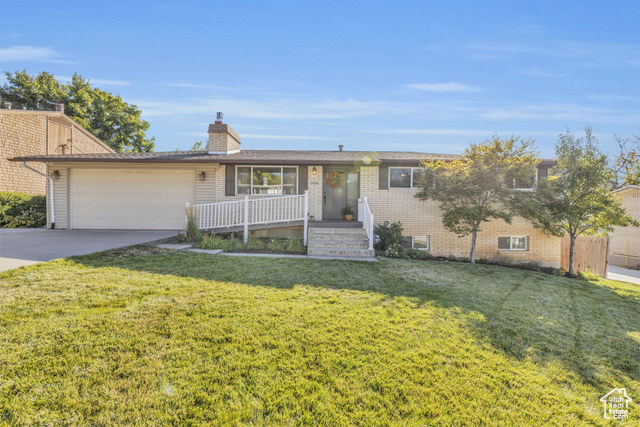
<point>524,315</point>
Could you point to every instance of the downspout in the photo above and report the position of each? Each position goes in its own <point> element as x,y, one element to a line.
<point>53,213</point>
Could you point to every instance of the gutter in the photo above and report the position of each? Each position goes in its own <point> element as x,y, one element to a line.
<point>53,213</point>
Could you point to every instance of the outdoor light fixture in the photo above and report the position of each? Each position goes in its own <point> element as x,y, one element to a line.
<point>203,175</point>
<point>314,171</point>
<point>55,175</point>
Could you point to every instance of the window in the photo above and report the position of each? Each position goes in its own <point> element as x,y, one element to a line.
<point>420,242</point>
<point>513,243</point>
<point>267,180</point>
<point>526,184</point>
<point>404,177</point>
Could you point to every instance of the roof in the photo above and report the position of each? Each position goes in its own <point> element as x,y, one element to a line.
<point>628,187</point>
<point>248,157</point>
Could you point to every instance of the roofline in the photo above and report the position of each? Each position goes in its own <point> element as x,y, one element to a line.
<point>196,160</point>
<point>57,114</point>
<point>627,187</point>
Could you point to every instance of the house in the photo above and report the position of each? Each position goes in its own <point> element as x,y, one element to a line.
<point>274,192</point>
<point>35,133</point>
<point>625,241</point>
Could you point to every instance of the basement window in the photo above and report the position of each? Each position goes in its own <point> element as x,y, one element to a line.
<point>420,242</point>
<point>513,243</point>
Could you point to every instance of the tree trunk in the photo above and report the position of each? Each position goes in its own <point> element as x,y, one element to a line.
<point>571,251</point>
<point>472,256</point>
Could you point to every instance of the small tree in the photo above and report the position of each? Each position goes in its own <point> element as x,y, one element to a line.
<point>576,198</point>
<point>478,186</point>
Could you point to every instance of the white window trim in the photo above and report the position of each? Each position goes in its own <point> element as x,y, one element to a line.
<point>267,166</point>
<point>421,249</point>
<point>535,183</point>
<point>526,243</point>
<point>401,167</point>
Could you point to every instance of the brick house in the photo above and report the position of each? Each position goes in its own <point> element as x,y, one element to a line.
<point>625,241</point>
<point>276,192</point>
<point>33,133</point>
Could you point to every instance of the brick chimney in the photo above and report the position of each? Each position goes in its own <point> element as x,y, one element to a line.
<point>59,108</point>
<point>223,139</point>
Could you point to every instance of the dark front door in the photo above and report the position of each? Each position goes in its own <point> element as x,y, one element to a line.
<point>335,193</point>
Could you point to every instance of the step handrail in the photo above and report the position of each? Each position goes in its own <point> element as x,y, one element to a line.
<point>366,216</point>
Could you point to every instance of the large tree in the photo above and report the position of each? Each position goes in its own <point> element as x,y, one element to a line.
<point>478,187</point>
<point>107,116</point>
<point>576,198</point>
<point>627,163</point>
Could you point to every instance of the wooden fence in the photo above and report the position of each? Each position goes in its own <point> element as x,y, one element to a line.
<point>590,253</point>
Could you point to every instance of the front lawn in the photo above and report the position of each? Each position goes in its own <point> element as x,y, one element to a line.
<point>145,336</point>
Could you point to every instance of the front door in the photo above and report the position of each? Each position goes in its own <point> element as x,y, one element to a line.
<point>341,187</point>
<point>335,193</point>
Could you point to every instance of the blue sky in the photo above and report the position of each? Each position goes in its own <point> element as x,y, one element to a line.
<point>427,76</point>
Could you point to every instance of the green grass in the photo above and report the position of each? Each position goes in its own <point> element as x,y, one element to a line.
<point>146,336</point>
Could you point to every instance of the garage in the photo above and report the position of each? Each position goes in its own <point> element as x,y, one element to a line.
<point>140,199</point>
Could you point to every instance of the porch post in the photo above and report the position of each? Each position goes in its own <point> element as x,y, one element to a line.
<point>360,211</point>
<point>246,218</point>
<point>306,215</point>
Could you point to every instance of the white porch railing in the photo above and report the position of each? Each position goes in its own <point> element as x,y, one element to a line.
<point>365,215</point>
<point>266,210</point>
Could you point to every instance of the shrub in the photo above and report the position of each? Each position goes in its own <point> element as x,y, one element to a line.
<point>19,210</point>
<point>395,250</point>
<point>560,272</point>
<point>233,244</point>
<point>192,232</point>
<point>255,243</point>
<point>418,254</point>
<point>390,234</point>
<point>295,245</point>
<point>531,265</point>
<point>211,242</point>
<point>277,245</point>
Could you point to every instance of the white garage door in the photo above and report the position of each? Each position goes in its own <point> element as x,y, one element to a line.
<point>130,199</point>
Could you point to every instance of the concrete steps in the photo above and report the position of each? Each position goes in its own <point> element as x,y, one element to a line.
<point>342,242</point>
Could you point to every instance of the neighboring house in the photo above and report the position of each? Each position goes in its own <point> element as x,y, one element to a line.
<point>274,188</point>
<point>34,133</point>
<point>625,241</point>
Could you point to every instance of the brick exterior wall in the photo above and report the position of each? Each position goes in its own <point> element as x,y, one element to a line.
<point>26,133</point>
<point>22,136</point>
<point>425,219</point>
<point>627,238</point>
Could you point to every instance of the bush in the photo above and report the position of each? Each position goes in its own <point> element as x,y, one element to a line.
<point>395,250</point>
<point>255,243</point>
<point>295,245</point>
<point>212,242</point>
<point>531,265</point>
<point>418,254</point>
<point>233,244</point>
<point>192,232</point>
<point>19,210</point>
<point>390,234</point>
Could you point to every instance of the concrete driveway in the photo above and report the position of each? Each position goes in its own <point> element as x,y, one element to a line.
<point>24,246</point>
<point>623,274</point>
